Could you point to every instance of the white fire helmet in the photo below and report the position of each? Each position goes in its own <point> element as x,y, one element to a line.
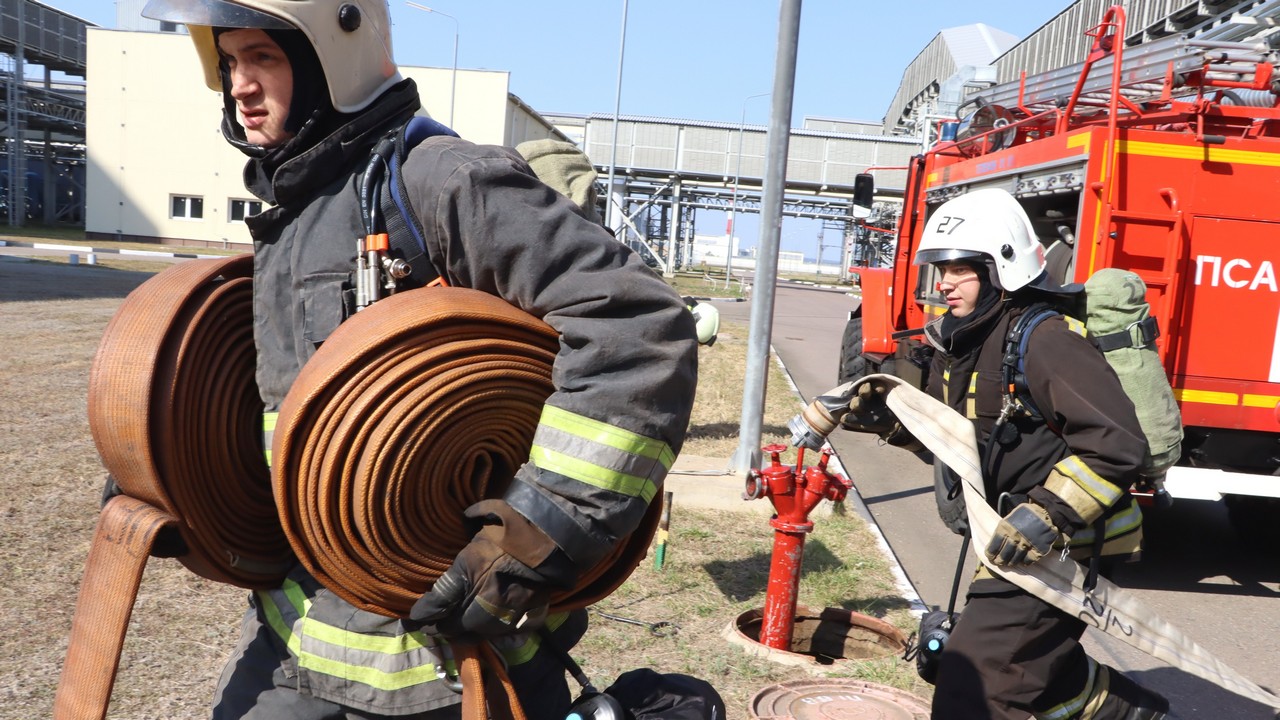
<point>352,38</point>
<point>706,319</point>
<point>989,225</point>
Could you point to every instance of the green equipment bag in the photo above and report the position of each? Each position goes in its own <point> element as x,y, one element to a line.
<point>1120,323</point>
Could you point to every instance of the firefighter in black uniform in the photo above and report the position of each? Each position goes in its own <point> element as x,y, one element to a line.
<point>1056,482</point>
<point>309,87</point>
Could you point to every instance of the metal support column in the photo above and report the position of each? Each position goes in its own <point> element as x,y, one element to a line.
<point>674,244</point>
<point>50,190</point>
<point>688,230</point>
<point>759,339</point>
<point>16,118</point>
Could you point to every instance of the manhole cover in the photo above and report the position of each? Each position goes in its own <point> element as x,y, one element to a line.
<point>836,699</point>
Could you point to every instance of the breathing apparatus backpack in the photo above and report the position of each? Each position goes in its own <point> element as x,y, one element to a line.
<point>1119,323</point>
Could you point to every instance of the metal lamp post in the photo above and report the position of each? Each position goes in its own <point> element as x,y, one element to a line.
<point>733,201</point>
<point>617,106</point>
<point>453,87</point>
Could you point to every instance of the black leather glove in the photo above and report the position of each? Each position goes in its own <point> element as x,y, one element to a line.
<point>867,410</point>
<point>500,583</point>
<point>1023,536</point>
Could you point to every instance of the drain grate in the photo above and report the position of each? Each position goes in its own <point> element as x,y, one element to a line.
<point>836,699</point>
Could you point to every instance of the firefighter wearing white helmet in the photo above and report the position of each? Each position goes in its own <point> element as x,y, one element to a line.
<point>310,89</point>
<point>1058,474</point>
<point>991,225</point>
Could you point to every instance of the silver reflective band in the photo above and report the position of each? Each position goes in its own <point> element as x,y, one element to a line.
<point>212,13</point>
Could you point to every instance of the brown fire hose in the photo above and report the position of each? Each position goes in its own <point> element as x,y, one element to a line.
<point>412,410</point>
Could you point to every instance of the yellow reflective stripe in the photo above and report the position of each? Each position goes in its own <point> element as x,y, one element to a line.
<point>971,403</point>
<point>299,603</point>
<point>372,677</point>
<point>1118,525</point>
<point>1076,326</point>
<point>1073,706</point>
<point>1079,474</point>
<point>1075,468</point>
<point>605,434</point>
<point>330,635</point>
<point>274,618</point>
<point>1201,153</point>
<point>1261,401</point>
<point>593,474</point>
<point>269,420</point>
<point>1207,397</point>
<point>384,644</point>
<point>946,384</point>
<point>528,647</point>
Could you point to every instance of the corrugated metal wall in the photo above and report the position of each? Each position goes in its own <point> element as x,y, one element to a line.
<point>1062,42</point>
<point>51,37</point>
<point>921,77</point>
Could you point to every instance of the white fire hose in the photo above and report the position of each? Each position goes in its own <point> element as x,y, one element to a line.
<point>1056,580</point>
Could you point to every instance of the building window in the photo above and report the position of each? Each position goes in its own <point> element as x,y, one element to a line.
<point>168,27</point>
<point>240,209</point>
<point>187,207</point>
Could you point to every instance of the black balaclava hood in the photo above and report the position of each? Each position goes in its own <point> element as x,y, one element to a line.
<point>960,333</point>
<point>310,101</point>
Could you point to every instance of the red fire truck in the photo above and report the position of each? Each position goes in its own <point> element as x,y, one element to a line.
<point>1158,158</point>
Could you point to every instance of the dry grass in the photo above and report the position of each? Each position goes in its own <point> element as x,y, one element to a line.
<point>51,481</point>
<point>183,627</point>
<point>713,429</point>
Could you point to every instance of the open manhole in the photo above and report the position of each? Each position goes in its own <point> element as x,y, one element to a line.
<point>836,699</point>
<point>823,637</point>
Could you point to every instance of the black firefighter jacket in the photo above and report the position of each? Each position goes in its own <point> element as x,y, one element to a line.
<point>625,374</point>
<point>1095,443</point>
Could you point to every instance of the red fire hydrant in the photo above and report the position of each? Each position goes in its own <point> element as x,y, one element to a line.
<point>794,492</point>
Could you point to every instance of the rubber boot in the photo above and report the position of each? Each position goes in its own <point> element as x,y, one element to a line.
<point>1116,697</point>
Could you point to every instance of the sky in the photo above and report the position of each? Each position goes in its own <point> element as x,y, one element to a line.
<point>687,59</point>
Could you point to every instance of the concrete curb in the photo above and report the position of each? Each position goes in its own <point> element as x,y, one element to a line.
<point>104,251</point>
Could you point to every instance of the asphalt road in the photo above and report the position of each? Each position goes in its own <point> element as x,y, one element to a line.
<point>1196,573</point>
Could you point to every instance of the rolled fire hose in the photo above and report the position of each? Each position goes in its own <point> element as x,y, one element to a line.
<point>175,413</point>
<point>173,409</point>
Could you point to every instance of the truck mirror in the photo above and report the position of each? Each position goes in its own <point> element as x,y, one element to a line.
<point>864,192</point>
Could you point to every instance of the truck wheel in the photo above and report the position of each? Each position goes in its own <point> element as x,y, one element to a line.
<point>1254,519</point>
<point>950,498</point>
<point>852,364</point>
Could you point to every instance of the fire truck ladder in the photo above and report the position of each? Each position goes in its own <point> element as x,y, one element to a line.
<point>1149,72</point>
<point>1166,280</point>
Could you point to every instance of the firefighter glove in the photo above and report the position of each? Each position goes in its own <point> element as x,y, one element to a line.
<point>500,583</point>
<point>868,411</point>
<point>1023,536</point>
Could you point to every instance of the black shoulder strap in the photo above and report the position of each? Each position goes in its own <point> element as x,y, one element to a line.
<point>1013,365</point>
<point>391,212</point>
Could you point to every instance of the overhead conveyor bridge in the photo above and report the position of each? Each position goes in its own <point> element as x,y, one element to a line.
<point>44,124</point>
<point>668,169</point>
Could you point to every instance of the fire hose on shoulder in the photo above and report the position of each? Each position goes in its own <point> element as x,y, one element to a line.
<point>419,406</point>
<point>1057,580</point>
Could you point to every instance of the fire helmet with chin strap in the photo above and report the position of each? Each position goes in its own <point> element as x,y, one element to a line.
<point>352,38</point>
<point>990,227</point>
